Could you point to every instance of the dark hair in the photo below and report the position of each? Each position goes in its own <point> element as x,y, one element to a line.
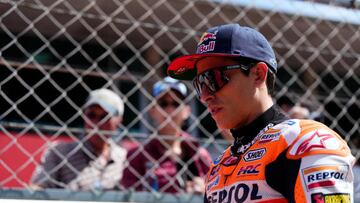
<point>271,76</point>
<point>270,82</point>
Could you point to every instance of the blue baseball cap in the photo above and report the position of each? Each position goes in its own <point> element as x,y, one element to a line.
<point>230,40</point>
<point>167,84</point>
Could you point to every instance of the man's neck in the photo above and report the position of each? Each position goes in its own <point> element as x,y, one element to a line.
<point>246,135</point>
<point>264,104</point>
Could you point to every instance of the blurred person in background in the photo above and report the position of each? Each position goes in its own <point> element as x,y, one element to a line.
<point>285,104</point>
<point>95,161</point>
<point>273,158</point>
<point>172,160</point>
<point>299,112</point>
<point>356,171</point>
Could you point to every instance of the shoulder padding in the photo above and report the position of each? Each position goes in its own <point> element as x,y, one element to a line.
<point>316,138</point>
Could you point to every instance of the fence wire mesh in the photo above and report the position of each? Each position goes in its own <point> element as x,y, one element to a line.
<point>54,52</point>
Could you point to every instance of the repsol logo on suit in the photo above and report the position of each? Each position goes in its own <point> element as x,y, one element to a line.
<point>239,192</point>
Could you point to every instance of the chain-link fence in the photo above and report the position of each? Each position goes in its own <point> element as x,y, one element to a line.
<point>54,52</point>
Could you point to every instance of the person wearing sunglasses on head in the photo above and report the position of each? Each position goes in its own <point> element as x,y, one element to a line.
<point>95,161</point>
<point>171,161</point>
<point>273,158</point>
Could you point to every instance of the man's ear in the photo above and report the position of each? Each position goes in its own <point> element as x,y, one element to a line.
<point>259,71</point>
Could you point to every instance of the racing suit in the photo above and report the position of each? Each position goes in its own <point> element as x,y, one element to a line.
<point>276,159</point>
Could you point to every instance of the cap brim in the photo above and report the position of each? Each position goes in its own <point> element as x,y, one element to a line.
<point>184,67</point>
<point>108,108</point>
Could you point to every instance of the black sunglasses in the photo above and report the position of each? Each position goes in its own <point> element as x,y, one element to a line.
<point>164,104</point>
<point>215,78</point>
<point>94,116</point>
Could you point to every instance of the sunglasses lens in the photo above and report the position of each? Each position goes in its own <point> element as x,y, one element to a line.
<point>213,80</point>
<point>94,116</point>
<point>164,104</point>
<point>220,80</point>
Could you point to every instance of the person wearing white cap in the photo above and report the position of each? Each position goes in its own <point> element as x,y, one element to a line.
<point>94,162</point>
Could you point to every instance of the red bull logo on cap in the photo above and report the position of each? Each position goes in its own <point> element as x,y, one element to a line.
<point>206,36</point>
<point>202,47</point>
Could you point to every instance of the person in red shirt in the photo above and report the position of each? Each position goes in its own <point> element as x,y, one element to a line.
<point>171,161</point>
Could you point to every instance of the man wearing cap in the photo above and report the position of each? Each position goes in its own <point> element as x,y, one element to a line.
<point>273,158</point>
<point>95,161</point>
<point>171,161</point>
